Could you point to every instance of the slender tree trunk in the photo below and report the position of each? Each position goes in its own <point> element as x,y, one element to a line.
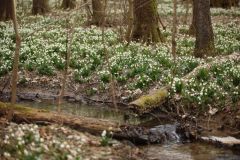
<point>146,27</point>
<point>174,29</point>
<point>204,45</point>
<point>5,10</point>
<point>130,21</point>
<point>16,56</point>
<point>71,4</point>
<point>112,82</point>
<point>67,61</point>
<point>187,11</point>
<point>192,28</point>
<point>98,12</point>
<point>40,7</point>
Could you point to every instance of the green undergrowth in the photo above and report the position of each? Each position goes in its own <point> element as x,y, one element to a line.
<point>218,85</point>
<point>133,66</point>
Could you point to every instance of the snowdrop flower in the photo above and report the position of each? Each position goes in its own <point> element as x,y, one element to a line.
<point>25,152</point>
<point>104,133</point>
<point>62,146</point>
<point>69,157</point>
<point>6,154</point>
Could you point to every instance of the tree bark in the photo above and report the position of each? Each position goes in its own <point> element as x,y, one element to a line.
<point>67,61</point>
<point>16,55</point>
<point>187,3</point>
<point>204,45</point>
<point>174,30</point>
<point>5,10</point>
<point>130,21</point>
<point>192,28</point>
<point>98,12</point>
<point>146,27</point>
<point>71,4</point>
<point>40,7</point>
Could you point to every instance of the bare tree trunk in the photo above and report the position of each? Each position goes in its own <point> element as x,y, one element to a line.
<point>71,4</point>
<point>204,45</point>
<point>146,21</point>
<point>187,2</point>
<point>174,29</point>
<point>98,12</point>
<point>5,10</point>
<point>130,21</point>
<point>40,7</point>
<point>16,56</point>
<point>192,28</point>
<point>67,61</point>
<point>112,82</point>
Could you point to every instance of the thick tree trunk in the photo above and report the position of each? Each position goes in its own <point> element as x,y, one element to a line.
<point>5,10</point>
<point>98,12</point>
<point>71,4</point>
<point>40,7</point>
<point>146,21</point>
<point>204,45</point>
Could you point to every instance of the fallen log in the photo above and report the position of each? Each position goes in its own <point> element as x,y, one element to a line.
<point>147,103</point>
<point>135,134</point>
<point>23,114</point>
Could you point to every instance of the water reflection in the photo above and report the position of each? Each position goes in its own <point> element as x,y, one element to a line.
<point>189,151</point>
<point>100,112</point>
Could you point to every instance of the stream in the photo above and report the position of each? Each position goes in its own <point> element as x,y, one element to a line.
<point>170,150</point>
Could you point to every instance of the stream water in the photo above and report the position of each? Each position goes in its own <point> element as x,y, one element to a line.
<point>189,151</point>
<point>174,150</point>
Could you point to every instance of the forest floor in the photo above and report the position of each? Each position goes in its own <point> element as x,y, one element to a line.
<point>209,102</point>
<point>31,141</point>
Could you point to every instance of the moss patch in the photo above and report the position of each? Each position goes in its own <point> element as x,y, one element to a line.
<point>20,108</point>
<point>148,102</point>
<point>2,105</point>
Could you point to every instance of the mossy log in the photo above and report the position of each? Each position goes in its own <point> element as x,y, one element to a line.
<point>135,134</point>
<point>147,103</point>
<point>22,114</point>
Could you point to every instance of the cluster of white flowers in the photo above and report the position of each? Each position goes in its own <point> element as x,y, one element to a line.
<point>223,82</point>
<point>134,65</point>
<point>26,140</point>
